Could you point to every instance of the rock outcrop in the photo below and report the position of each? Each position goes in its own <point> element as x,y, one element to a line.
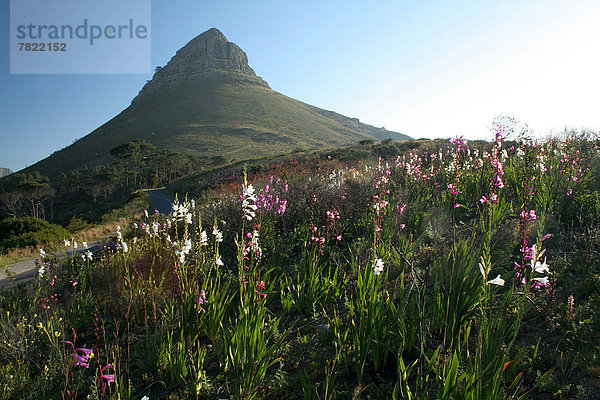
<point>5,172</point>
<point>209,56</point>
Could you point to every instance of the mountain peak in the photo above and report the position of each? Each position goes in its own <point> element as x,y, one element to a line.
<point>212,34</point>
<point>207,57</point>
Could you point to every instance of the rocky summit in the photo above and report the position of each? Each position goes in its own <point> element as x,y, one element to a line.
<point>209,56</point>
<point>5,172</point>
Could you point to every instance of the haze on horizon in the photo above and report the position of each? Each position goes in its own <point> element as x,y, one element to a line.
<point>426,70</point>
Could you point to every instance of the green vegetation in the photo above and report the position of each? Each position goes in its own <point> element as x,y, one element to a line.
<point>420,270</point>
<point>28,231</point>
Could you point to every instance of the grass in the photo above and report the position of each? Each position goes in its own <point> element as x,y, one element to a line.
<point>422,270</point>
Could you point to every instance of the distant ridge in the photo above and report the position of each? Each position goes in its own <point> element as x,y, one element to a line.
<point>208,101</point>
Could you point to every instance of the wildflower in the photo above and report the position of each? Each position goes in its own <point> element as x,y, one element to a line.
<point>378,266</point>
<point>482,270</point>
<point>145,398</point>
<point>42,253</point>
<point>125,247</point>
<point>255,243</point>
<point>261,286</point>
<point>218,235</point>
<point>80,359</point>
<point>542,282</point>
<point>185,249</point>
<point>42,271</point>
<point>85,245</point>
<point>110,378</point>
<point>219,262</point>
<point>496,281</point>
<point>89,255</point>
<point>67,243</point>
<point>202,300</point>
<point>146,213</point>
<point>453,189</point>
<point>540,268</point>
<point>203,238</point>
<point>249,198</point>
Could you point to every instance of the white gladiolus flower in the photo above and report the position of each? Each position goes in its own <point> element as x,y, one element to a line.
<point>482,270</point>
<point>203,238</point>
<point>544,280</point>
<point>497,281</point>
<point>378,266</point>
<point>219,262</point>
<point>249,198</point>
<point>218,234</point>
<point>541,268</point>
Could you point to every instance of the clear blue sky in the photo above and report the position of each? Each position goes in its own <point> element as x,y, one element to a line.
<point>427,69</point>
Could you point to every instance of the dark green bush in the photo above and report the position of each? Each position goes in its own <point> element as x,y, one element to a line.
<point>28,231</point>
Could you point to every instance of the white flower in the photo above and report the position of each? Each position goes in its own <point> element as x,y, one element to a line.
<point>544,280</point>
<point>248,202</point>
<point>89,255</point>
<point>378,266</point>
<point>219,262</point>
<point>203,238</point>
<point>218,234</point>
<point>541,268</point>
<point>497,281</point>
<point>41,271</point>
<point>249,192</point>
<point>482,270</point>
<point>146,213</point>
<point>67,243</point>
<point>84,245</point>
<point>42,253</point>
<point>187,246</point>
<point>185,249</point>
<point>188,218</point>
<point>74,244</point>
<point>125,247</point>
<point>145,398</point>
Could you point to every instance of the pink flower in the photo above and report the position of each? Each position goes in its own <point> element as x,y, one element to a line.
<point>110,378</point>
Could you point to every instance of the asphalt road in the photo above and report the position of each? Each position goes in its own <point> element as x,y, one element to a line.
<point>162,201</point>
<point>25,271</point>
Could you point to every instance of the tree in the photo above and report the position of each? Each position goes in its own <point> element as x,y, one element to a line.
<point>132,150</point>
<point>12,202</point>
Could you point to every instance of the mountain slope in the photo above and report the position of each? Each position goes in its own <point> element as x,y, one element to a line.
<point>207,101</point>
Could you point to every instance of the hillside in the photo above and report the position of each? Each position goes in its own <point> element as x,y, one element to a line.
<point>207,101</point>
<point>447,270</point>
